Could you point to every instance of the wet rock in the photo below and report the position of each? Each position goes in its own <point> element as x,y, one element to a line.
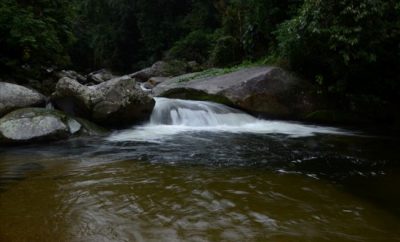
<point>14,96</point>
<point>116,102</point>
<point>38,124</point>
<point>265,90</point>
<point>89,128</point>
<point>31,124</point>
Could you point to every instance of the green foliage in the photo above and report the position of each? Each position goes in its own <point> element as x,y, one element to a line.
<point>195,46</point>
<point>252,23</point>
<point>108,34</point>
<point>348,46</point>
<point>34,35</point>
<point>226,52</point>
<point>160,24</point>
<point>129,34</point>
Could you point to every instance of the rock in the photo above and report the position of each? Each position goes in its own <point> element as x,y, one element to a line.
<point>115,102</point>
<point>40,124</point>
<point>154,81</point>
<point>71,74</point>
<point>89,128</point>
<point>265,90</point>
<point>193,66</point>
<point>44,86</point>
<point>161,68</point>
<point>145,86</point>
<point>72,97</point>
<point>100,76</point>
<point>14,96</point>
<point>32,124</point>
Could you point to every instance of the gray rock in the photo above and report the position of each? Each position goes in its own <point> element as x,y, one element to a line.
<point>71,74</point>
<point>100,76</point>
<point>39,124</point>
<point>270,91</point>
<point>114,102</point>
<point>154,81</point>
<point>193,66</point>
<point>145,86</point>
<point>161,68</point>
<point>89,128</point>
<point>31,124</point>
<point>14,96</point>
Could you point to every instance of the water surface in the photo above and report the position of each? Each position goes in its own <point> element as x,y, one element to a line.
<point>175,181</point>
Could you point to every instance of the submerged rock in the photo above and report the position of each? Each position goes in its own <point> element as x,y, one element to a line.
<point>14,96</point>
<point>265,90</point>
<point>115,102</point>
<point>39,124</point>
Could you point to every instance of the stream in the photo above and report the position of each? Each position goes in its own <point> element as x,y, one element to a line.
<point>200,171</point>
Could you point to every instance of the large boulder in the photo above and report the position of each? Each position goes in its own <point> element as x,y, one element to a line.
<point>265,90</point>
<point>115,102</point>
<point>39,124</point>
<point>14,96</point>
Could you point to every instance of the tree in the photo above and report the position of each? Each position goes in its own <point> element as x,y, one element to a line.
<point>348,46</point>
<point>253,22</point>
<point>35,34</point>
<point>160,23</point>
<point>108,34</point>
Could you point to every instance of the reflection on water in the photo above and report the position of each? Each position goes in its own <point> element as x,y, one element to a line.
<point>202,186</point>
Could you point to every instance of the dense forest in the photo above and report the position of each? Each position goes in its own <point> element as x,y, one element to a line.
<point>347,48</point>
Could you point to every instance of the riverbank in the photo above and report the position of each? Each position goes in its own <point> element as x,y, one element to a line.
<point>116,101</point>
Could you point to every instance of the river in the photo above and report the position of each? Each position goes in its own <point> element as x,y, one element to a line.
<point>200,171</point>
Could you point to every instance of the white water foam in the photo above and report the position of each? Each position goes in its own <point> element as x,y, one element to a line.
<point>174,116</point>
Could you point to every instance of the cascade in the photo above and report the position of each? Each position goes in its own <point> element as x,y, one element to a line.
<point>196,113</point>
<point>174,116</point>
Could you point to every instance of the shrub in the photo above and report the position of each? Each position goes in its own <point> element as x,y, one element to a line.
<point>195,46</point>
<point>348,46</point>
<point>34,35</point>
<point>226,52</point>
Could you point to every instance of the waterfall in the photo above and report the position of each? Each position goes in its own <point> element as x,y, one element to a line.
<point>196,114</point>
<point>174,116</point>
<point>49,105</point>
